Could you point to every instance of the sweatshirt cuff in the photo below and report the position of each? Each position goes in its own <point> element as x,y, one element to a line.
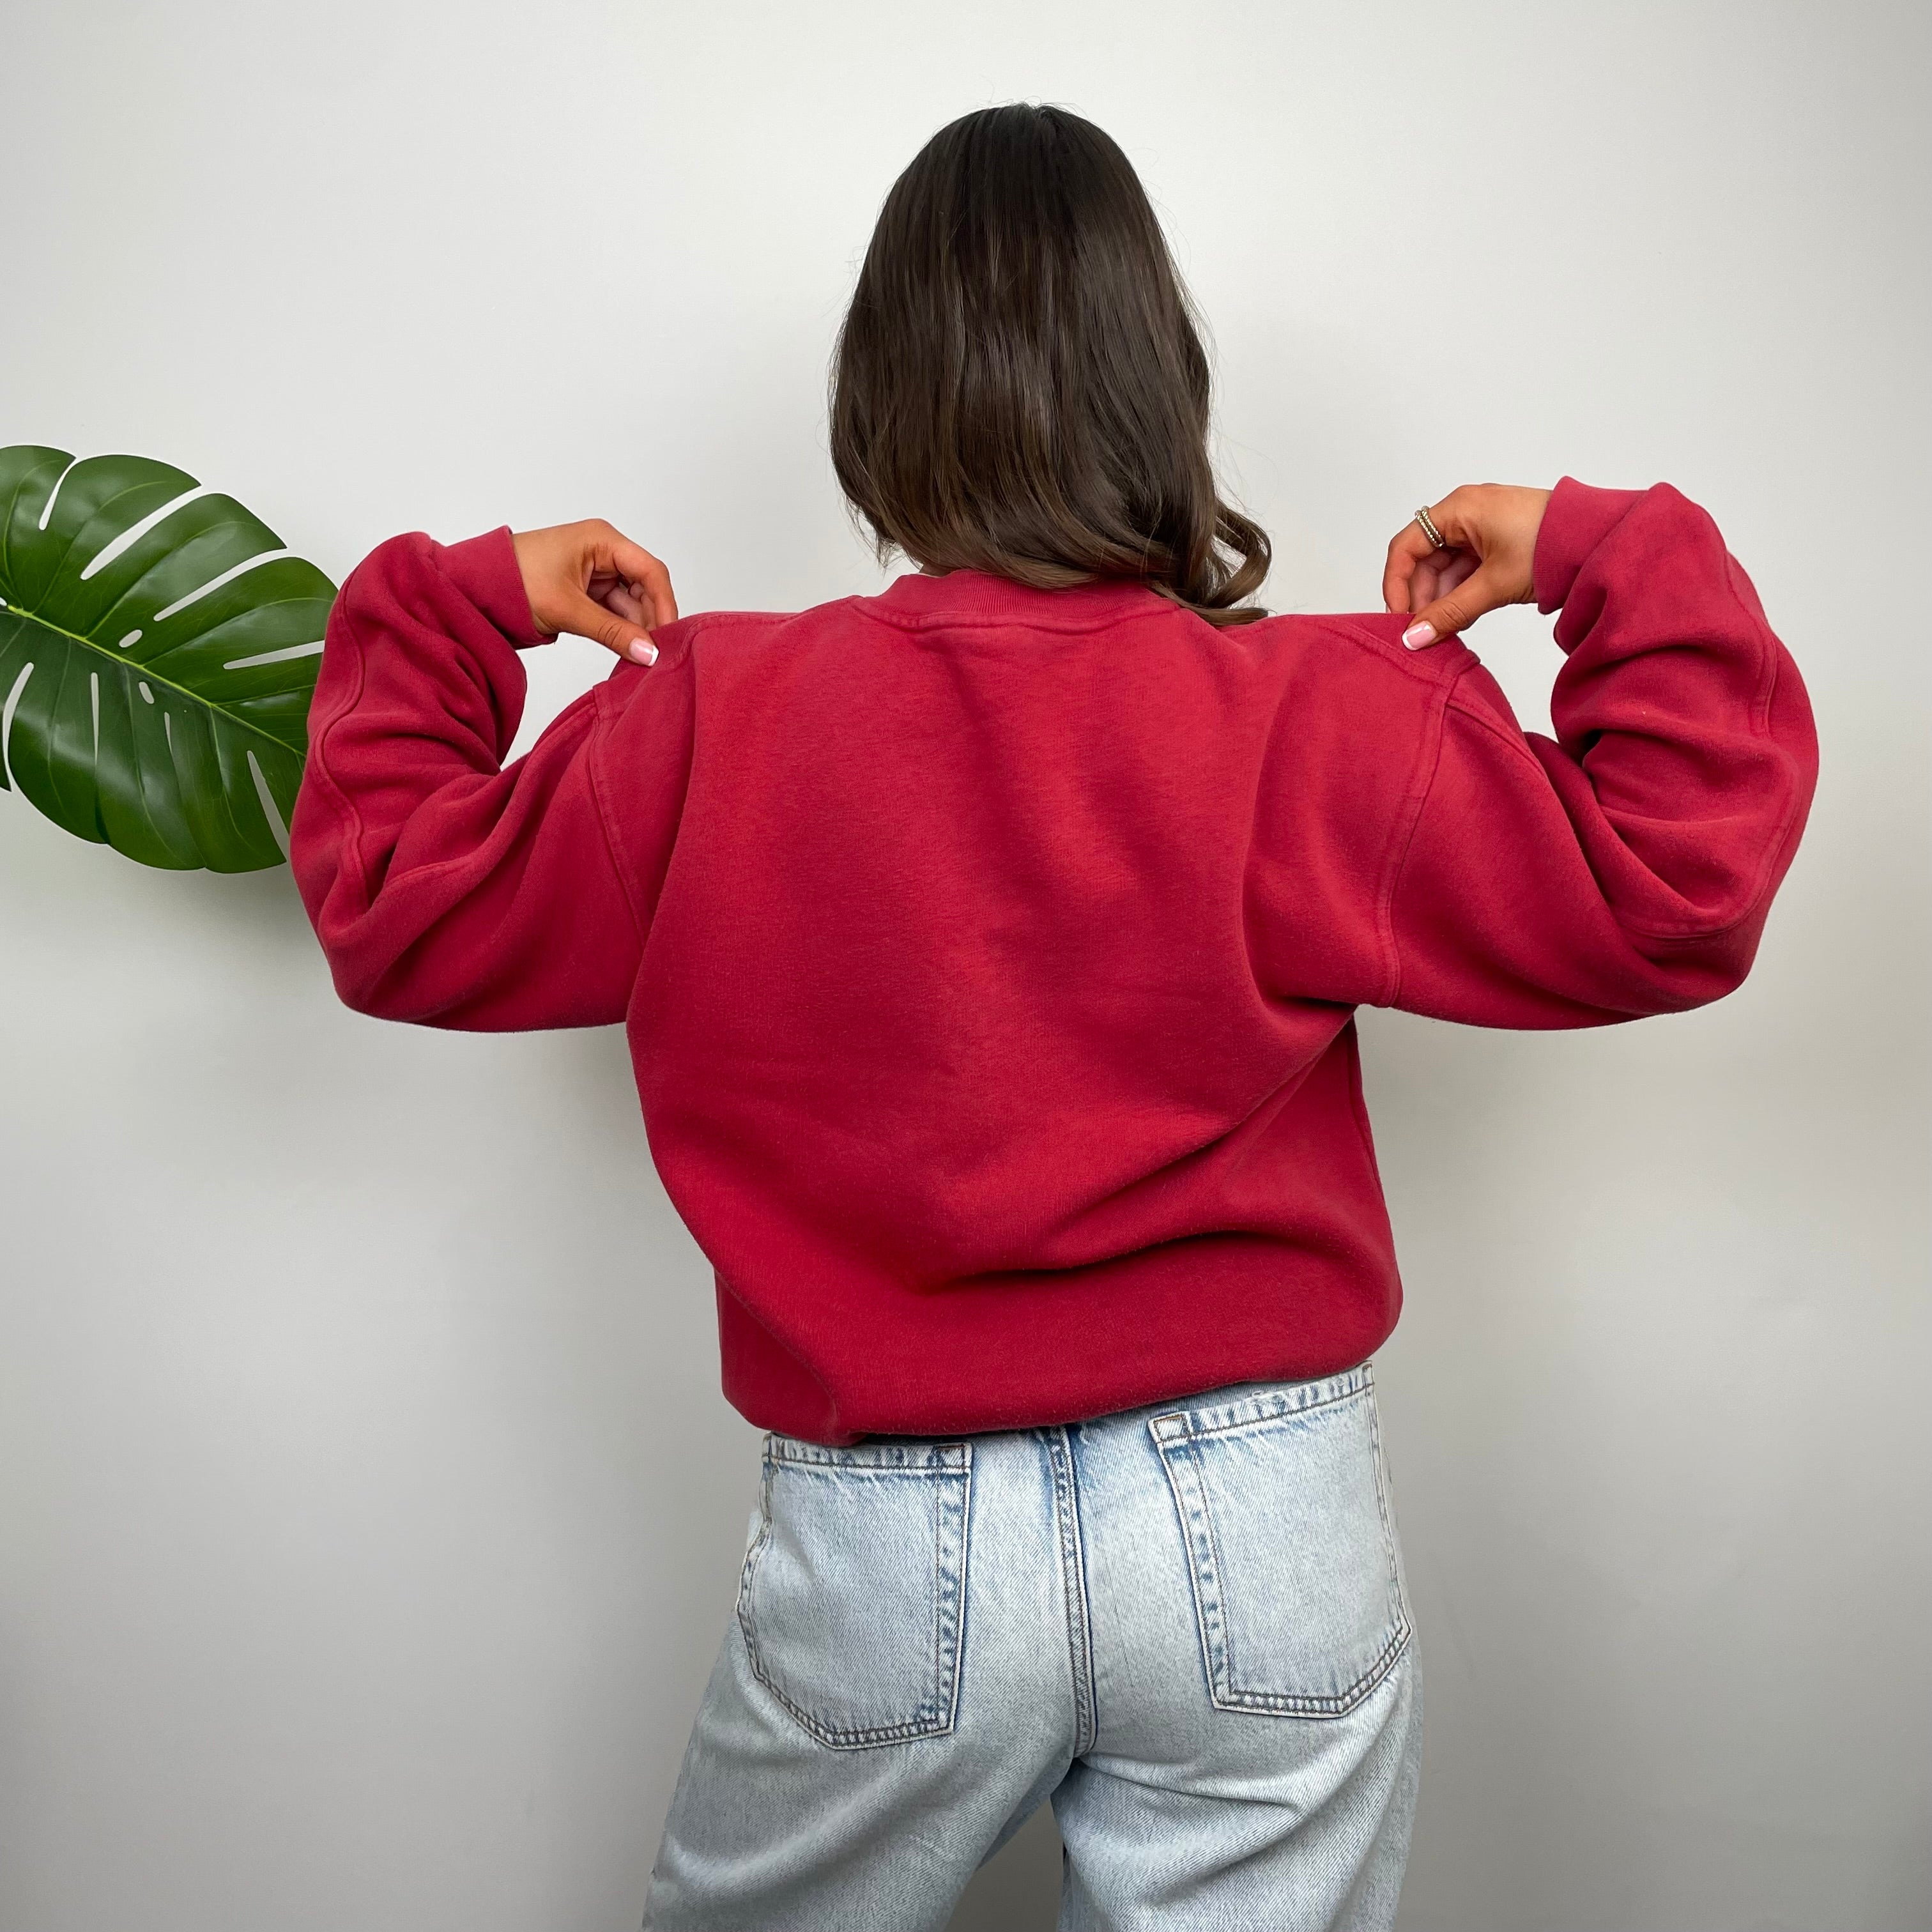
<point>1576,519</point>
<point>485,570</point>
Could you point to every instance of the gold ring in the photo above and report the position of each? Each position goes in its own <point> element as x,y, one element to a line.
<point>1435,537</point>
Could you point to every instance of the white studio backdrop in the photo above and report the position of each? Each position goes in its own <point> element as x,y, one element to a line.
<point>368,1513</point>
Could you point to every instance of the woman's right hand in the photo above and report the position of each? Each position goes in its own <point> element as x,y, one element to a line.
<point>594,582</point>
<point>1488,560</point>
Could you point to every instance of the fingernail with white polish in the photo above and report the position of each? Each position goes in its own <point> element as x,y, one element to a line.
<point>1418,636</point>
<point>640,652</point>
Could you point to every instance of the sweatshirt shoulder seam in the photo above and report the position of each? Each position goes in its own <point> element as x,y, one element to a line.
<point>1422,783</point>
<point>699,622</point>
<point>1409,664</point>
<point>593,760</point>
<point>1514,740</point>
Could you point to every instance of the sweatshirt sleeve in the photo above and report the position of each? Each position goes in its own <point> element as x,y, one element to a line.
<point>1627,866</point>
<point>444,888</point>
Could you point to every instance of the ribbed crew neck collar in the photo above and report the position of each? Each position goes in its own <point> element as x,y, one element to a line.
<point>977,595</point>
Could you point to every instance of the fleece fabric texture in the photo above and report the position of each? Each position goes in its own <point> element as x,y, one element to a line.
<point>988,955</point>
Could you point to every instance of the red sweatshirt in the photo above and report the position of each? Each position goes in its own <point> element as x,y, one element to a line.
<point>988,955</point>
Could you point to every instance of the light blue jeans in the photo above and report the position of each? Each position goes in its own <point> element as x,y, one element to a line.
<point>1184,1625</point>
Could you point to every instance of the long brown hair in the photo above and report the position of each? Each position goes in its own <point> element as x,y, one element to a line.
<point>1019,385</point>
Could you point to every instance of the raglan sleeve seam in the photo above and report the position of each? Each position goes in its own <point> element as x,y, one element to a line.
<point>1422,783</point>
<point>601,795</point>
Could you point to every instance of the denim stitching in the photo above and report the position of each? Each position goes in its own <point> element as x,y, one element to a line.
<point>1395,1593</point>
<point>747,1618</point>
<point>1213,1544</point>
<point>935,1456</point>
<point>1248,1425</point>
<point>1207,1604</point>
<point>1178,1431</point>
<point>1073,1580</point>
<point>1284,1704</point>
<point>936,1714</point>
<point>1216,1569</point>
<point>1303,1399</point>
<point>1053,1465</point>
<point>959,1595</point>
<point>947,1606</point>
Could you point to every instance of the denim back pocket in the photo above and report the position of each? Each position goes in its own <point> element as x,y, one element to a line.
<point>852,1598</point>
<point>1291,1548</point>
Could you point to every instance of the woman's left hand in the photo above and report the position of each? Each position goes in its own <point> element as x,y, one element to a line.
<point>592,580</point>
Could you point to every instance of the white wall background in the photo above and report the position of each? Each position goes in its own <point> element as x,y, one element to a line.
<point>368,1515</point>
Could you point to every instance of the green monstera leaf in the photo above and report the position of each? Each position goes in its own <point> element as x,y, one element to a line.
<point>158,646</point>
